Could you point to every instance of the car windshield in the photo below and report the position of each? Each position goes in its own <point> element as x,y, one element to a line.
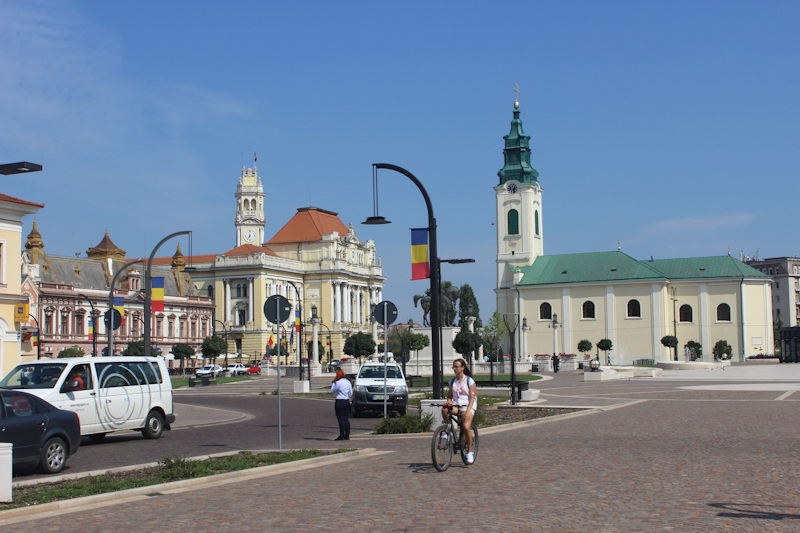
<point>40,376</point>
<point>376,372</point>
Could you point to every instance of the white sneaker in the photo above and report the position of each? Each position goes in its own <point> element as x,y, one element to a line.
<point>470,458</point>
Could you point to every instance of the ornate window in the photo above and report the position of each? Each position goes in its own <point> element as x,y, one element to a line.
<point>723,313</point>
<point>634,309</point>
<point>79,318</point>
<point>513,222</point>
<point>545,311</point>
<point>210,291</point>
<point>536,221</point>
<point>244,290</point>
<point>238,290</point>
<point>64,325</point>
<point>685,313</point>
<point>588,309</point>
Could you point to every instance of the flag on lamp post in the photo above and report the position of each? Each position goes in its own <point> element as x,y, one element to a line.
<point>157,294</point>
<point>91,329</point>
<point>119,305</point>
<point>420,268</point>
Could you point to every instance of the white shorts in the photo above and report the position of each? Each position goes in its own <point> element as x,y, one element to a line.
<point>462,408</point>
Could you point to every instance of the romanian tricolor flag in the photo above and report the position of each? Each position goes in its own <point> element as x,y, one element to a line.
<point>91,329</point>
<point>119,305</point>
<point>420,268</point>
<point>157,294</point>
<point>35,338</point>
<point>297,321</point>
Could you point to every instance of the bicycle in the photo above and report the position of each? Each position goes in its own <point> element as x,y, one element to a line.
<point>445,442</point>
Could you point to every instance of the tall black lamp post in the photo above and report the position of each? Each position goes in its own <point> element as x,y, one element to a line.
<point>148,288</point>
<point>94,325</point>
<point>38,337</point>
<point>433,267</point>
<point>300,333</point>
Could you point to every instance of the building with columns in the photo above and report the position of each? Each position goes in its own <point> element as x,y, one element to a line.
<point>66,293</point>
<point>12,211</point>
<point>609,295</point>
<point>314,260</point>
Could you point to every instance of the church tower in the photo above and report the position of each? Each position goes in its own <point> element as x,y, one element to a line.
<point>249,208</point>
<point>518,206</point>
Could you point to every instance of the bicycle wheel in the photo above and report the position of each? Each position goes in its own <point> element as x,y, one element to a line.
<point>474,430</point>
<point>442,448</point>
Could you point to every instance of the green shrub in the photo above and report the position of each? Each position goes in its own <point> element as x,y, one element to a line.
<point>405,424</point>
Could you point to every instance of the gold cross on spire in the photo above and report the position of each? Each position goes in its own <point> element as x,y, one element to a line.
<point>516,96</point>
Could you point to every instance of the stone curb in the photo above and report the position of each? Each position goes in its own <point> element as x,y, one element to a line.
<point>54,508</point>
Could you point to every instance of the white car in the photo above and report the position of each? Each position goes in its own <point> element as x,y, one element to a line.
<point>209,371</point>
<point>238,369</point>
<point>369,393</point>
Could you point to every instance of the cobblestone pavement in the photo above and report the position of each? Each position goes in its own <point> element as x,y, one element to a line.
<point>660,456</point>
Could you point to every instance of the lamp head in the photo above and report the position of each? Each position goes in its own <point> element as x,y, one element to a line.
<point>376,220</point>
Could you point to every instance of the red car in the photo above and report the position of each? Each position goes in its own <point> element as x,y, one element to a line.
<point>254,369</point>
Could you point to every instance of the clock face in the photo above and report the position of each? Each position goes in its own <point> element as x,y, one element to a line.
<point>249,235</point>
<point>511,188</point>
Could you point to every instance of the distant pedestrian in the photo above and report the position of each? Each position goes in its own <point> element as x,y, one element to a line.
<point>556,363</point>
<point>342,391</point>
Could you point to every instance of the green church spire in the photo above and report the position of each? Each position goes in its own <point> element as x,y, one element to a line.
<point>517,153</point>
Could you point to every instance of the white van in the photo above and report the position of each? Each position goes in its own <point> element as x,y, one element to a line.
<point>108,393</point>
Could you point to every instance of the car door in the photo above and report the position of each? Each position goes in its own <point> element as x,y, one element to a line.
<point>22,426</point>
<point>84,401</point>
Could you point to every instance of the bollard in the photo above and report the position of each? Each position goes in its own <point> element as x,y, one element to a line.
<point>6,470</point>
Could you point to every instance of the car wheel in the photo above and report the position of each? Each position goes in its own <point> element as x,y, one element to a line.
<point>97,437</point>
<point>401,411</point>
<point>154,425</point>
<point>355,412</point>
<point>54,455</point>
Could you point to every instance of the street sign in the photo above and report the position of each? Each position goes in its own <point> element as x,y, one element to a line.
<point>277,309</point>
<point>117,319</point>
<point>385,312</point>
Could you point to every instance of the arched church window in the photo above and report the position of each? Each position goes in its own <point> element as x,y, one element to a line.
<point>685,313</point>
<point>210,291</point>
<point>244,290</point>
<point>588,309</point>
<point>545,311</point>
<point>723,313</point>
<point>536,221</point>
<point>513,222</point>
<point>634,309</point>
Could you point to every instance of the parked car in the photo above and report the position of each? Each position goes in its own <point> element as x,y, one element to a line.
<point>107,393</point>
<point>40,433</point>
<point>369,392</point>
<point>209,371</point>
<point>254,369</point>
<point>238,369</point>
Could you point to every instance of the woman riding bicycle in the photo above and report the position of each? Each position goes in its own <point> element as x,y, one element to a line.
<point>462,397</point>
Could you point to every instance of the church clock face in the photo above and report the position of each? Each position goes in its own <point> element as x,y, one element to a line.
<point>511,188</point>
<point>249,235</point>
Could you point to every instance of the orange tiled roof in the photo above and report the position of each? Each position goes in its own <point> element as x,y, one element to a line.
<point>7,198</point>
<point>191,259</point>
<point>249,249</point>
<point>309,224</point>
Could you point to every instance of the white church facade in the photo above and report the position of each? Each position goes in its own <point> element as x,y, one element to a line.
<point>609,295</point>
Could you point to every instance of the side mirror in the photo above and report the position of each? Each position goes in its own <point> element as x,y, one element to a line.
<point>71,385</point>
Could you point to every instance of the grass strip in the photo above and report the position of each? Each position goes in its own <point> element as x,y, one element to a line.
<point>169,469</point>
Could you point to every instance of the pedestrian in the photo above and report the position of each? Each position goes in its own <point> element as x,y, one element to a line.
<point>342,391</point>
<point>555,363</point>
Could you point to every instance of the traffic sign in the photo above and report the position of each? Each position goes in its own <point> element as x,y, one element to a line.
<point>385,312</point>
<point>117,319</point>
<point>277,309</point>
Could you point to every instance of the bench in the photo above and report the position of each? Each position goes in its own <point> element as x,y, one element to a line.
<point>644,362</point>
<point>203,381</point>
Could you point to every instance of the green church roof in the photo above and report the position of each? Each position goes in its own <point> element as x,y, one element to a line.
<point>599,267</point>
<point>517,154</point>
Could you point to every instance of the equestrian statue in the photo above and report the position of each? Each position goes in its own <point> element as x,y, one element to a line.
<point>447,305</point>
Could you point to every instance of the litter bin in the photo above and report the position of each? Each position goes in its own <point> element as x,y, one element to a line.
<point>521,386</point>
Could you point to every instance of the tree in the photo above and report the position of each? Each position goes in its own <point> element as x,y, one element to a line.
<point>417,341</point>
<point>273,351</point>
<point>585,346</point>
<point>466,343</point>
<point>182,351</point>
<point>695,350</point>
<point>605,345</point>
<point>213,346</point>
<point>137,348</point>
<point>722,350</point>
<point>671,341</point>
<point>495,334</point>
<point>359,345</point>
<point>467,301</point>
<point>73,351</point>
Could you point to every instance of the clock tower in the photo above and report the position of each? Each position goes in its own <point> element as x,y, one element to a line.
<point>518,206</point>
<point>249,208</point>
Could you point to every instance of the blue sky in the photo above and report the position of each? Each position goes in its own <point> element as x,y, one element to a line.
<point>670,127</point>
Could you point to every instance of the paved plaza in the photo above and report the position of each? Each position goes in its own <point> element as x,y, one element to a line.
<point>689,451</point>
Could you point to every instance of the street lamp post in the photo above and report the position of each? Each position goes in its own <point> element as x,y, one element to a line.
<point>330,345</point>
<point>513,358</point>
<point>300,334</point>
<point>148,289</point>
<point>109,329</point>
<point>94,325</point>
<point>315,321</point>
<point>38,337</point>
<point>433,267</point>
